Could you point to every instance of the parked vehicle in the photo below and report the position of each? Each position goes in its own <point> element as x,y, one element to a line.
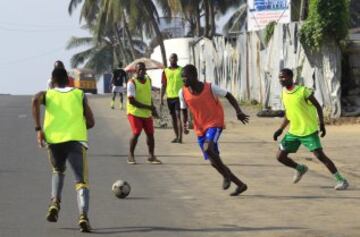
<point>84,79</point>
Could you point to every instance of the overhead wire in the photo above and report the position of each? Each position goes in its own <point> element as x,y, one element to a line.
<point>25,59</point>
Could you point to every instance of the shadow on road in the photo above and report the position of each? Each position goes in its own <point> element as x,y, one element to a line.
<point>277,197</point>
<point>145,229</point>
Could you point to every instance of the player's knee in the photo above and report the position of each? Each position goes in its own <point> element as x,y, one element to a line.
<point>81,185</point>
<point>177,114</point>
<point>136,136</point>
<point>173,115</point>
<point>280,156</point>
<point>59,170</point>
<point>209,149</point>
<point>319,154</point>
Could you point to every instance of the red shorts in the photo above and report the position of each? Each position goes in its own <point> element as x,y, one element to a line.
<point>137,124</point>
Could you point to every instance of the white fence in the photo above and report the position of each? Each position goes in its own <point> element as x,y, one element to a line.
<point>249,69</point>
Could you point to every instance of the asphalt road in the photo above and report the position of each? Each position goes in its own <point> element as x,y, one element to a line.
<point>25,182</point>
<point>182,197</point>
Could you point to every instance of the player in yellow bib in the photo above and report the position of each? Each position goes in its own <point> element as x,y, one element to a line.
<point>140,110</point>
<point>304,114</point>
<point>66,120</point>
<point>171,83</point>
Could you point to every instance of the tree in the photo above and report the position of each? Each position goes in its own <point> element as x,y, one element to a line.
<point>89,9</point>
<point>114,11</point>
<point>153,16</point>
<point>237,20</point>
<point>99,57</point>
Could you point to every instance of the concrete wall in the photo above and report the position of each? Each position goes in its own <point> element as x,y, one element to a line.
<point>180,46</point>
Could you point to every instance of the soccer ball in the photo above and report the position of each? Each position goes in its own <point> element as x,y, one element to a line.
<point>121,188</point>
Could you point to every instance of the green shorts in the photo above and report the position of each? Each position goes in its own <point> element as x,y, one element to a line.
<point>291,143</point>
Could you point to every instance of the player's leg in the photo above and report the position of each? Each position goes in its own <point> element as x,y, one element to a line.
<point>342,183</point>
<point>148,126</point>
<point>210,148</point>
<point>78,161</point>
<point>178,121</point>
<point>213,154</point>
<point>57,158</point>
<point>172,111</point>
<point>113,97</point>
<point>201,141</point>
<point>136,127</point>
<point>121,95</point>
<point>290,144</point>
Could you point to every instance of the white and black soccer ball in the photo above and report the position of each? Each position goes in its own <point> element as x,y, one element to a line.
<point>121,188</point>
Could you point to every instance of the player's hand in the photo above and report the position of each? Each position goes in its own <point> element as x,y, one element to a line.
<point>242,117</point>
<point>186,128</point>
<point>154,112</point>
<point>322,130</point>
<point>277,133</point>
<point>40,137</point>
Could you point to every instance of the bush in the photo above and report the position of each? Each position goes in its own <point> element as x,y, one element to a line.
<point>328,20</point>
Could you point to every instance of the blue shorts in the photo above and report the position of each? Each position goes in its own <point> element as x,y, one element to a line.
<point>211,134</point>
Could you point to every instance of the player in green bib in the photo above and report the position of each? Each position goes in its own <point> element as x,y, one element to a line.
<point>66,120</point>
<point>305,116</point>
<point>171,83</point>
<point>140,110</point>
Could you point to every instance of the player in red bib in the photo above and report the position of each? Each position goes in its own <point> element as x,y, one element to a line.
<point>208,115</point>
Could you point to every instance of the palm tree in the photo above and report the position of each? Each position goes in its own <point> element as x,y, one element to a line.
<point>237,20</point>
<point>103,53</point>
<point>113,14</point>
<point>99,57</point>
<point>218,8</point>
<point>145,16</point>
<point>152,15</point>
<point>89,9</point>
<point>192,10</point>
<point>92,12</point>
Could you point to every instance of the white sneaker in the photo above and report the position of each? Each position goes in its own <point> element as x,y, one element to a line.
<point>342,185</point>
<point>298,175</point>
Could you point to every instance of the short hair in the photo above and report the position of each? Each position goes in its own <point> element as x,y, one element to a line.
<point>141,63</point>
<point>190,70</point>
<point>287,72</point>
<point>59,64</point>
<point>60,76</point>
<point>173,55</point>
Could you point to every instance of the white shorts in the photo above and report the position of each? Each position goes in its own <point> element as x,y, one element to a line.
<point>118,89</point>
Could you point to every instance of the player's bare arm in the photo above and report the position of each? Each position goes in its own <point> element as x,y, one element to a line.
<point>88,114</point>
<point>185,121</point>
<point>281,129</point>
<point>314,101</point>
<point>136,103</point>
<point>36,103</point>
<point>239,114</point>
<point>163,88</point>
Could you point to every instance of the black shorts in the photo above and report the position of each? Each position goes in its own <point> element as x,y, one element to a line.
<point>173,105</point>
<point>73,152</point>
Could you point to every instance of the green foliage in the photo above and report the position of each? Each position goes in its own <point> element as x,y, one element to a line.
<point>328,20</point>
<point>269,31</point>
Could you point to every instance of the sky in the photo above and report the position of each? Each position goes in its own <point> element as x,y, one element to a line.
<point>33,35</point>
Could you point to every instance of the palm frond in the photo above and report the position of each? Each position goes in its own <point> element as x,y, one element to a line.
<point>101,60</point>
<point>75,42</point>
<point>72,5</point>
<point>79,58</point>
